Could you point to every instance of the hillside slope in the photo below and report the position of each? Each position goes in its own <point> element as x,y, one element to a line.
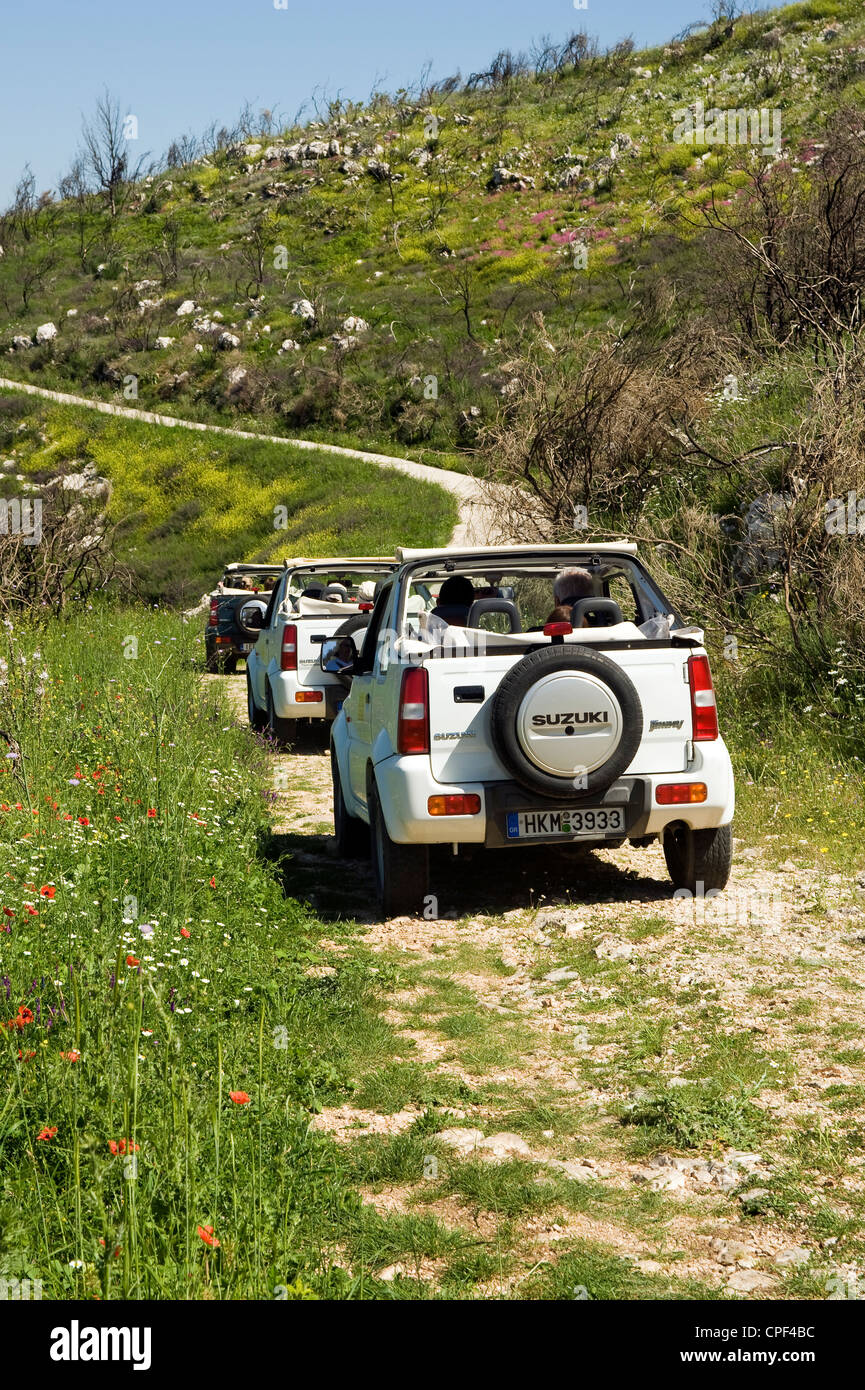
<point>370,275</point>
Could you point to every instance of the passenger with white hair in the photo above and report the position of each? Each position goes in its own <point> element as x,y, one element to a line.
<point>570,585</point>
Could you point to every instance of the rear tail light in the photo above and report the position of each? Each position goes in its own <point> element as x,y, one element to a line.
<point>558,629</point>
<point>680,793</point>
<point>213,620</point>
<point>413,727</point>
<point>704,711</point>
<point>288,654</point>
<point>464,804</point>
<point>365,607</point>
<point>305,697</point>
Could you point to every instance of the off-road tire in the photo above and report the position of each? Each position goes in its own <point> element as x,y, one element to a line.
<point>401,872</point>
<point>257,717</point>
<point>352,835</point>
<point>282,731</point>
<point>513,689</point>
<point>699,857</point>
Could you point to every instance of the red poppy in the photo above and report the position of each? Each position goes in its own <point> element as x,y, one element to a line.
<point>82,820</point>
<point>24,1056</point>
<point>184,931</point>
<point>49,891</point>
<point>206,1233</point>
<point>239,1097</point>
<point>71,1056</point>
<point>7,912</point>
<point>30,910</point>
<point>132,960</point>
<point>213,881</point>
<point>25,1016</point>
<point>151,815</point>
<point>47,1133</point>
<point>122,1146</point>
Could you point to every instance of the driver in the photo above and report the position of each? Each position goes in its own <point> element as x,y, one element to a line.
<point>570,585</point>
<point>342,656</point>
<point>456,597</point>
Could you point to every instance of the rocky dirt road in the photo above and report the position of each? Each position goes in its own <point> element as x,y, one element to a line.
<point>595,1076</point>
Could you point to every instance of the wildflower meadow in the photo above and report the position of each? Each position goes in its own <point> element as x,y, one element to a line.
<point>156,1083</point>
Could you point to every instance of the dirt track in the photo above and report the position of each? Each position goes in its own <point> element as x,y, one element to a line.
<point>566,985</point>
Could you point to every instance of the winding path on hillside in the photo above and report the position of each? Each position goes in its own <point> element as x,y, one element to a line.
<point>474,527</point>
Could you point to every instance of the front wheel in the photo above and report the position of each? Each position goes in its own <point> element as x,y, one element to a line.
<point>257,717</point>
<point>699,860</point>
<point>352,836</point>
<point>401,872</point>
<point>280,730</point>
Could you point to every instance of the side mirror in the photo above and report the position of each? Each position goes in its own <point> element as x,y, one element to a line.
<point>337,655</point>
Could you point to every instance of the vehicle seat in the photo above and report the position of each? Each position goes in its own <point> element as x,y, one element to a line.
<point>599,612</point>
<point>455,614</point>
<point>494,605</point>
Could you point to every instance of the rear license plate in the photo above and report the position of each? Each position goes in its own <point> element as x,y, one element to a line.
<point>585,823</point>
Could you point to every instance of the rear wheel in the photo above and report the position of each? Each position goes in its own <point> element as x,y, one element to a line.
<point>352,836</point>
<point>702,857</point>
<point>257,717</point>
<point>401,872</point>
<point>280,730</point>
<point>219,665</point>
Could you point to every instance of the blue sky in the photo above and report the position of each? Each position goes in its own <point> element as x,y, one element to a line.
<point>178,64</point>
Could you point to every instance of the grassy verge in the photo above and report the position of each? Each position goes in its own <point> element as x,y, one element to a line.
<point>156,1030</point>
<point>186,502</point>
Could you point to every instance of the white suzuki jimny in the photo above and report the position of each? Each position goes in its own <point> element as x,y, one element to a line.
<point>313,600</point>
<point>475,720</point>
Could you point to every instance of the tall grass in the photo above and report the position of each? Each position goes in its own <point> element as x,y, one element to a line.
<point>151,978</point>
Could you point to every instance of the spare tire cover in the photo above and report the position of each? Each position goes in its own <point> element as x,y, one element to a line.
<point>566,722</point>
<point>250,602</point>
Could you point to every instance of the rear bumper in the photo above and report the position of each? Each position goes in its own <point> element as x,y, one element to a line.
<point>229,644</point>
<point>286,689</point>
<point>405,784</point>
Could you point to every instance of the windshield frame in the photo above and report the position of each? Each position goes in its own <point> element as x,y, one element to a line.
<point>541,564</point>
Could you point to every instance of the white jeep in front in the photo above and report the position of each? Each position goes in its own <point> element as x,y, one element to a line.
<point>599,730</point>
<point>313,600</point>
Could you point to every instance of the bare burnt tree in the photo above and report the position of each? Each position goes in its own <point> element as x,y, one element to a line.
<point>793,250</point>
<point>73,558</point>
<point>76,191</point>
<point>596,429</point>
<point>253,253</point>
<point>186,149</point>
<point>27,234</point>
<point>458,290</point>
<point>106,153</point>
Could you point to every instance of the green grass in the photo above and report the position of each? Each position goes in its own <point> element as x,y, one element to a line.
<point>185,503</point>
<point>694,1118</point>
<point>587,1272</point>
<point>159,969</point>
